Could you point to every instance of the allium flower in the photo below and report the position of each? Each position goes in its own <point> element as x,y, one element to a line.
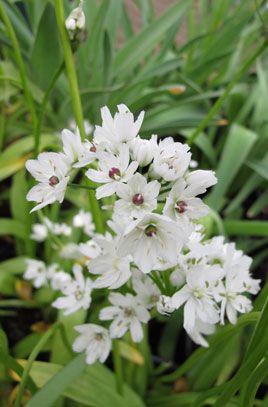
<point>39,232</point>
<point>76,21</point>
<point>151,239</point>
<point>37,272</point>
<point>95,340</point>
<point>143,150</point>
<point>77,293</point>
<point>112,171</point>
<point>84,220</point>
<point>164,305</point>
<point>200,329</point>
<point>78,154</point>
<point>51,171</point>
<point>172,160</point>
<point>148,294</point>
<point>90,249</point>
<point>113,271</point>
<point>198,295</point>
<point>127,314</point>
<point>57,228</point>
<point>237,282</point>
<point>137,197</point>
<point>59,279</point>
<point>120,129</point>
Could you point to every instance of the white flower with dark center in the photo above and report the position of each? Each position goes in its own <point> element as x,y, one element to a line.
<point>171,161</point>
<point>181,203</point>
<point>113,270</point>
<point>198,295</point>
<point>112,171</point>
<point>148,293</point>
<point>143,150</point>
<point>51,171</point>
<point>120,129</point>
<point>95,340</point>
<point>152,239</point>
<point>127,314</point>
<point>84,220</point>
<point>39,232</point>
<point>77,293</point>
<point>36,271</point>
<point>137,197</point>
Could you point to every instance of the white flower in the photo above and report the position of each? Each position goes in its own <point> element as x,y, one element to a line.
<point>95,340</point>
<point>76,21</point>
<point>57,228</point>
<point>237,282</point>
<point>198,295</point>
<point>78,154</point>
<point>87,126</point>
<point>39,232</point>
<point>200,329</point>
<point>77,293</point>
<point>148,293</point>
<point>114,271</point>
<point>182,204</point>
<point>120,129</point>
<point>164,305</point>
<point>70,251</point>
<point>90,249</point>
<point>51,171</point>
<point>127,314</point>
<point>151,239</point>
<point>137,197</point>
<point>59,279</point>
<point>84,220</point>
<point>37,272</point>
<point>172,160</point>
<point>112,170</point>
<point>143,150</point>
<point>200,180</point>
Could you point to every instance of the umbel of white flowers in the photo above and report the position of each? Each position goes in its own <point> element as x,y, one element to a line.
<point>153,256</point>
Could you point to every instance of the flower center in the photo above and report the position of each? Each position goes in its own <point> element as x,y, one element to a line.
<point>129,312</point>
<point>93,149</point>
<point>198,293</point>
<point>98,336</point>
<point>53,180</point>
<point>181,206</point>
<point>114,173</point>
<point>138,199</point>
<point>150,230</point>
<point>78,295</point>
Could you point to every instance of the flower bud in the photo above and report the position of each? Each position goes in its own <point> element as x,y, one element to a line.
<point>75,25</point>
<point>142,150</point>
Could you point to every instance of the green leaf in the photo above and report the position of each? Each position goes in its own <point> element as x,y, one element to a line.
<point>45,64</point>
<point>142,44</point>
<point>260,167</point>
<point>90,385</point>
<point>236,149</point>
<point>15,266</point>
<point>246,228</point>
<point>13,228</point>
<point>252,384</point>
<point>7,283</point>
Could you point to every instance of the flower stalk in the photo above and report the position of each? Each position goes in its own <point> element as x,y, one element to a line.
<point>118,367</point>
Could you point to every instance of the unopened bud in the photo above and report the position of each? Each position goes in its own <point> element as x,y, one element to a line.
<point>75,25</point>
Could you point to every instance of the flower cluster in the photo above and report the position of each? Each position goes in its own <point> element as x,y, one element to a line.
<point>153,257</point>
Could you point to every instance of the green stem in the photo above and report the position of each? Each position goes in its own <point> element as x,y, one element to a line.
<point>44,104</point>
<point>22,70</point>
<point>82,186</point>
<point>35,352</point>
<point>215,108</point>
<point>70,68</point>
<point>118,367</point>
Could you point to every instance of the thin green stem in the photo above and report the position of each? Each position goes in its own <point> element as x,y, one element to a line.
<point>22,70</point>
<point>118,367</point>
<point>35,352</point>
<point>44,104</point>
<point>215,108</point>
<point>90,188</point>
<point>70,68</point>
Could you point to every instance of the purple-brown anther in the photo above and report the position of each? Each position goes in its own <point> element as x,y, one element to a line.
<point>53,180</point>
<point>181,206</point>
<point>114,173</point>
<point>138,199</point>
<point>93,149</point>
<point>150,231</point>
